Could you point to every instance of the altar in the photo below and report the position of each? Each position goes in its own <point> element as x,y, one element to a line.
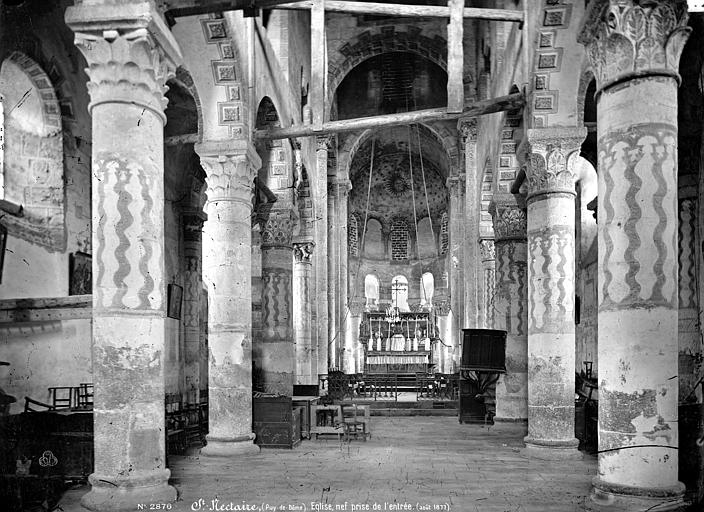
<point>398,342</point>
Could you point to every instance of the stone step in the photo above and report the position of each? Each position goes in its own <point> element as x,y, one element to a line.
<point>412,412</point>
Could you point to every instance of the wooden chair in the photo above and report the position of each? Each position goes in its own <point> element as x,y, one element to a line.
<point>175,422</point>
<point>356,421</point>
<point>31,405</point>
<point>63,397</point>
<point>85,395</point>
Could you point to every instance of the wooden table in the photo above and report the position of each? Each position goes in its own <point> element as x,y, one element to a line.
<point>307,402</point>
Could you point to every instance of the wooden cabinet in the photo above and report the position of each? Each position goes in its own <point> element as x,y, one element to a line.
<point>277,423</point>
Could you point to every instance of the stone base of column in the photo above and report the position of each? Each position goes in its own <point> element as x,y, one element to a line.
<point>219,447</point>
<point>109,494</point>
<point>606,495</point>
<point>517,421</point>
<point>549,449</point>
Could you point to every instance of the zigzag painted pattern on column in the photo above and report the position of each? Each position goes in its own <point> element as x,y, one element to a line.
<point>637,163</point>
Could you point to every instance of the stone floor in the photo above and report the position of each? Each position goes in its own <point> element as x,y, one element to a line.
<point>414,461</point>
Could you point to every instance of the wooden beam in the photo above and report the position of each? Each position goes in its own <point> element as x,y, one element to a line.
<point>455,57</point>
<point>176,8</point>
<point>424,11</point>
<point>317,62</point>
<point>509,102</point>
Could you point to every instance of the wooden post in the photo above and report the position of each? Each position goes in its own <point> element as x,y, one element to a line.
<point>455,57</point>
<point>317,62</point>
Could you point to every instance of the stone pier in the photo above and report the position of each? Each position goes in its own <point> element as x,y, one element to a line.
<point>488,276</point>
<point>456,185</point>
<point>634,49</point>
<point>192,220</point>
<point>511,314</point>
<point>276,352</point>
<point>227,266</point>
<point>320,185</point>
<point>130,57</point>
<point>551,289</point>
<point>302,306</point>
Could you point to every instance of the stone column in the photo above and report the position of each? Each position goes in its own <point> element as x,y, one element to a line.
<point>342,188</point>
<point>302,306</point>
<point>276,353</point>
<point>129,58</point>
<point>511,312</point>
<point>634,49</point>
<point>486,249</point>
<point>321,255</point>
<point>443,357</point>
<point>227,267</point>
<point>333,327</point>
<point>192,235</point>
<point>354,321</point>
<point>551,289</point>
<point>690,351</point>
<point>473,274</point>
<point>457,278</point>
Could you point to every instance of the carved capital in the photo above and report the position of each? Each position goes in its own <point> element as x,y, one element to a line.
<point>486,247</point>
<point>130,52</point>
<point>468,129</point>
<point>509,215</point>
<point>277,228</point>
<point>551,157</point>
<point>441,305</point>
<point>303,251</point>
<point>456,184</point>
<point>230,171</point>
<point>323,142</point>
<point>630,38</point>
<point>357,306</point>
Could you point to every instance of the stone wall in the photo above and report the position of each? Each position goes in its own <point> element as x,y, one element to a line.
<point>57,220</point>
<point>47,343</point>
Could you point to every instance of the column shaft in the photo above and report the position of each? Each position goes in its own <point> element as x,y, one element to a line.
<point>510,305</point>
<point>551,289</point>
<point>302,307</point>
<point>342,188</point>
<point>192,234</point>
<point>486,311</point>
<point>321,255</point>
<point>277,353</point>
<point>473,274</point>
<point>227,267</point>
<point>127,75</point>
<point>333,328</point>
<point>637,236</point>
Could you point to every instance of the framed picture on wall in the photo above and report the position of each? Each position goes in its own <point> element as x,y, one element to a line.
<point>174,296</point>
<point>80,274</point>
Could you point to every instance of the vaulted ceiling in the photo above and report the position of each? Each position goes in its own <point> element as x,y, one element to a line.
<point>392,190</point>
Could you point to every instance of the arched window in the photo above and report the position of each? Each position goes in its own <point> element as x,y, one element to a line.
<point>427,289</point>
<point>373,242</point>
<point>32,166</point>
<point>399,293</point>
<point>371,291</point>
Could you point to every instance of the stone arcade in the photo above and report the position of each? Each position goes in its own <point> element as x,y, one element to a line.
<point>209,201</point>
